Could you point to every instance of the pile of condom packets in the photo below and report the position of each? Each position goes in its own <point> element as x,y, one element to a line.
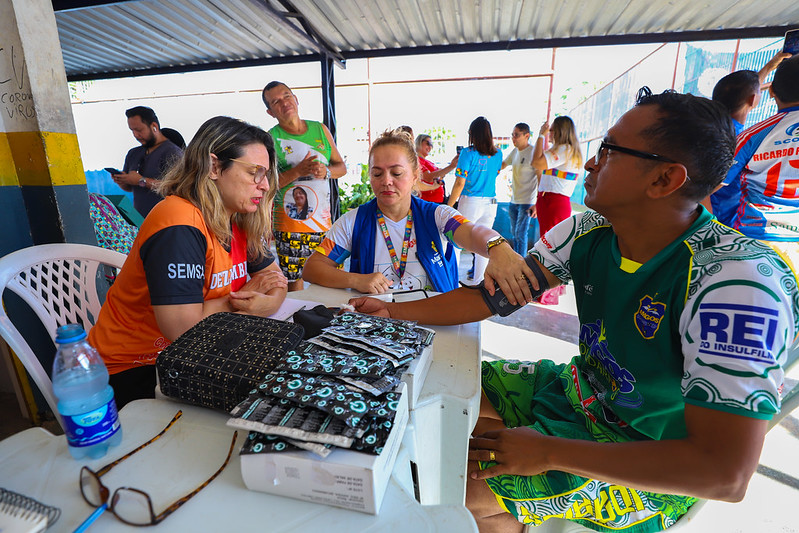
<point>341,392</point>
<point>340,388</point>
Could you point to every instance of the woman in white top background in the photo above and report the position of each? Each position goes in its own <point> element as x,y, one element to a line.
<point>559,166</point>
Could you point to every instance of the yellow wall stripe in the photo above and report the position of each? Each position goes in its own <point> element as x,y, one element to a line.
<point>41,158</point>
<point>8,172</point>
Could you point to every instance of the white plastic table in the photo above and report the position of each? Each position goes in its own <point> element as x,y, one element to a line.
<point>37,464</point>
<point>447,408</point>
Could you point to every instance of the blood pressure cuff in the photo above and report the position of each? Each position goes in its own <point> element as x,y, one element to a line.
<point>499,304</point>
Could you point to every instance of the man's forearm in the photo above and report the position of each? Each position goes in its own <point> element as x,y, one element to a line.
<point>715,460</point>
<point>454,307</point>
<point>337,169</point>
<point>666,467</point>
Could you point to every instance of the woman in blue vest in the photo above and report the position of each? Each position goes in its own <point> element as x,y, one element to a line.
<point>398,241</point>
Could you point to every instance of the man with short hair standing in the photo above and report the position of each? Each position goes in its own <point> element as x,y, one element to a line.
<point>145,165</point>
<point>307,157</point>
<point>740,90</point>
<point>760,196</point>
<point>524,186</point>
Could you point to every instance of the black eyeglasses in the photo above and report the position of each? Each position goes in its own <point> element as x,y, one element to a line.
<point>605,146</point>
<point>258,171</point>
<point>134,506</point>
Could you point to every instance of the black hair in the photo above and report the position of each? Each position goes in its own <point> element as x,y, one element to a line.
<point>786,80</point>
<point>480,136</point>
<point>694,131</point>
<point>269,86</point>
<point>175,137</point>
<point>146,114</point>
<point>523,127</point>
<point>733,90</point>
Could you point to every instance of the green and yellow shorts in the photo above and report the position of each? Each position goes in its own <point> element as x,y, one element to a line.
<point>293,249</point>
<point>555,400</point>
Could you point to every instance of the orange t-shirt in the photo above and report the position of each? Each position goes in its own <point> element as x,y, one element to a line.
<point>174,260</point>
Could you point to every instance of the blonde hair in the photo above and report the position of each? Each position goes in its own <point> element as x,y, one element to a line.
<point>564,132</point>
<point>404,140</point>
<point>190,179</point>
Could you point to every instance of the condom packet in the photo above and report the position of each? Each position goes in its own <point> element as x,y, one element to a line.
<point>372,341</point>
<point>261,443</point>
<point>375,387</point>
<point>394,328</point>
<point>330,396</point>
<point>375,437</point>
<point>310,358</point>
<point>335,347</point>
<point>280,417</point>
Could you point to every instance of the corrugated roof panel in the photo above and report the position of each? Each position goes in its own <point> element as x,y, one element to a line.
<point>148,34</point>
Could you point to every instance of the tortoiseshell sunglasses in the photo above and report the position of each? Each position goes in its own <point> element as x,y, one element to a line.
<point>134,506</point>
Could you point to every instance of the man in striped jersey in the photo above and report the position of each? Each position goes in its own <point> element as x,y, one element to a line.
<point>760,196</point>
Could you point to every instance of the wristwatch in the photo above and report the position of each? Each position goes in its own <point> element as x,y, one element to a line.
<point>494,241</point>
<point>328,173</point>
<point>143,182</point>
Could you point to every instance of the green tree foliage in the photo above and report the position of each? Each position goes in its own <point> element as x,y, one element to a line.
<point>442,140</point>
<point>353,195</point>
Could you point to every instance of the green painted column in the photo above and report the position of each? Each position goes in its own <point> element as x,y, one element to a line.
<point>43,196</point>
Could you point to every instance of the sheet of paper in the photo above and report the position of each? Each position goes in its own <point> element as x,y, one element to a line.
<point>291,306</point>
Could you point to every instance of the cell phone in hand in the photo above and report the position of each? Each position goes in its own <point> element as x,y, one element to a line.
<point>112,170</point>
<point>458,149</point>
<point>791,45</point>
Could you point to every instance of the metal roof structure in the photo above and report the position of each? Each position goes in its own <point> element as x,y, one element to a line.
<point>107,39</point>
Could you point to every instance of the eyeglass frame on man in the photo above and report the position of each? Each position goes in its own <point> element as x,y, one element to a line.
<point>604,145</point>
<point>105,492</point>
<point>259,170</point>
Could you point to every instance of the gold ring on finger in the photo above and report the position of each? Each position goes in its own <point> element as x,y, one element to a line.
<point>492,456</point>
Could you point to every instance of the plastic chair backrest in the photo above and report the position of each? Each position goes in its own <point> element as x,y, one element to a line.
<point>59,283</point>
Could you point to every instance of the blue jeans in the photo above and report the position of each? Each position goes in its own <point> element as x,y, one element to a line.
<point>519,226</point>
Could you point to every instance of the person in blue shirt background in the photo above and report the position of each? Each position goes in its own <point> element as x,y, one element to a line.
<point>476,182</point>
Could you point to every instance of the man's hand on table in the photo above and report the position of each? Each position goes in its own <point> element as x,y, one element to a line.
<point>370,306</point>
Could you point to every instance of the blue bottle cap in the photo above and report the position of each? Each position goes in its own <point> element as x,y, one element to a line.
<point>69,333</point>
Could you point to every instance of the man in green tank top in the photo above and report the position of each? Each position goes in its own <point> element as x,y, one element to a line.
<point>307,160</point>
<point>685,326</point>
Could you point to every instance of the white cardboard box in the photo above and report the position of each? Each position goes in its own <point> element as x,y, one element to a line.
<point>415,375</point>
<point>347,479</point>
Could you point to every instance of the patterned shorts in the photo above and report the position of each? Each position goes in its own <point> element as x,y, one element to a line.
<point>545,397</point>
<point>293,249</point>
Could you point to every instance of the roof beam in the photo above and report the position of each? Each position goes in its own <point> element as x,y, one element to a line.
<point>71,5</point>
<point>570,42</point>
<point>308,33</point>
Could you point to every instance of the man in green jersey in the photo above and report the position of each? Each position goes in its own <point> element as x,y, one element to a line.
<point>684,327</point>
<point>307,160</point>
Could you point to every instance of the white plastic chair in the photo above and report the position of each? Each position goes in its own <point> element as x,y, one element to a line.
<point>59,283</point>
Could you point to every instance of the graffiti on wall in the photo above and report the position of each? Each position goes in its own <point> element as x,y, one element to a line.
<point>16,100</point>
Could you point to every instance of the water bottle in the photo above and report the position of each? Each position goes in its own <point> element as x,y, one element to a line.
<point>85,399</point>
